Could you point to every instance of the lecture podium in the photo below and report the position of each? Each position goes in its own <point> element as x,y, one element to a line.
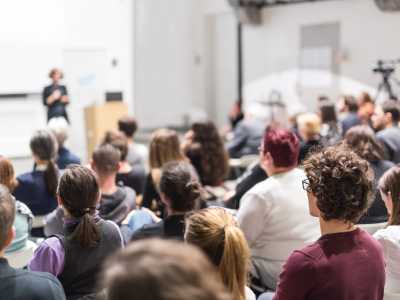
<point>99,119</point>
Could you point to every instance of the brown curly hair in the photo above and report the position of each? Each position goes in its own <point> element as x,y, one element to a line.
<point>341,181</point>
<point>207,154</point>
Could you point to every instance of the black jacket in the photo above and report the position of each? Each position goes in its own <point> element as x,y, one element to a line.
<point>17,284</point>
<point>172,227</point>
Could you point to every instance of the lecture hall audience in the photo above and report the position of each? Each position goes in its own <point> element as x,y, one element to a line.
<point>19,284</point>
<point>345,262</point>
<point>75,256</point>
<point>274,214</point>
<point>283,228</point>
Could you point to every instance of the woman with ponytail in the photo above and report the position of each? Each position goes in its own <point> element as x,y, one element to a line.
<point>215,231</point>
<point>389,237</point>
<point>180,192</point>
<point>37,189</point>
<point>75,257</point>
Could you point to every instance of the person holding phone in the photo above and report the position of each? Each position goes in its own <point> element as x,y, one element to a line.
<point>55,96</point>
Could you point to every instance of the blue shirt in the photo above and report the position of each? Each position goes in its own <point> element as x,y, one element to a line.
<point>66,157</point>
<point>32,191</point>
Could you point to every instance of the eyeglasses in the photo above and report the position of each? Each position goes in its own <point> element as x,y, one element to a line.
<point>306,185</point>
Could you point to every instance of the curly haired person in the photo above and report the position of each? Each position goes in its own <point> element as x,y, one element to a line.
<point>346,262</point>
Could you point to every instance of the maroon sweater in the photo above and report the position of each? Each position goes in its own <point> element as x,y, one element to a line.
<point>345,266</point>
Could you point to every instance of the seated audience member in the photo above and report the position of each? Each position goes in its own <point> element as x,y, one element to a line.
<point>348,107</point>
<point>330,130</point>
<point>361,139</point>
<point>23,216</point>
<point>274,214</point>
<point>309,127</point>
<point>389,238</point>
<point>164,147</point>
<point>216,232</point>
<point>245,183</point>
<point>180,191</point>
<point>137,155</point>
<point>133,177</point>
<point>37,189</point>
<point>205,150</point>
<point>59,127</point>
<point>115,202</point>
<point>386,122</point>
<point>366,107</point>
<point>76,255</point>
<point>346,262</point>
<point>247,134</point>
<point>161,270</point>
<point>18,284</point>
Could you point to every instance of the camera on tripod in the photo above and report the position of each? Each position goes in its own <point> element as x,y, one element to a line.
<point>386,68</point>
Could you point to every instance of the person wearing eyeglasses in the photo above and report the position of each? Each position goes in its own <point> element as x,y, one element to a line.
<point>274,214</point>
<point>346,262</point>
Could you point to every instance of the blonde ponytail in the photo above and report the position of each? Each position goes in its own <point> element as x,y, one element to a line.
<point>215,231</point>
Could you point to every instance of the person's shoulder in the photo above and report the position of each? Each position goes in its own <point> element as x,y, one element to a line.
<point>148,231</point>
<point>39,283</point>
<point>25,177</point>
<point>390,233</point>
<point>303,260</point>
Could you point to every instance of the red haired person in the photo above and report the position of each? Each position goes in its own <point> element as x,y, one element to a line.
<point>274,214</point>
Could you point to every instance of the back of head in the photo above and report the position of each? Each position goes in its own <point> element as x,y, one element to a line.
<point>117,140</point>
<point>106,160</point>
<point>44,148</point>
<point>79,193</point>
<point>7,174</point>
<point>164,147</point>
<point>283,145</point>
<point>216,232</point>
<point>309,125</point>
<point>361,139</point>
<point>59,127</point>
<point>208,154</point>
<point>341,181</point>
<point>128,125</point>
<point>351,103</point>
<point>327,112</point>
<point>7,215</point>
<point>389,184</point>
<point>180,185</point>
<point>161,270</point>
<point>392,107</point>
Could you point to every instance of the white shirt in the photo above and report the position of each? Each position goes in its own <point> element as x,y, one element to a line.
<point>389,238</point>
<point>275,219</point>
<point>249,294</point>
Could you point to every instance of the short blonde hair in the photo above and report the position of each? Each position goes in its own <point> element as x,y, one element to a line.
<point>309,124</point>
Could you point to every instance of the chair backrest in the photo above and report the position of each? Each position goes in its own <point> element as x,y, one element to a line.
<point>391,296</point>
<point>372,228</point>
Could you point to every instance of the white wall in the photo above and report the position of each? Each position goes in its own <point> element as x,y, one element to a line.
<point>62,26</point>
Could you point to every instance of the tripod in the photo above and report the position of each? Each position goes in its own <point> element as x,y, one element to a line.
<point>386,86</point>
